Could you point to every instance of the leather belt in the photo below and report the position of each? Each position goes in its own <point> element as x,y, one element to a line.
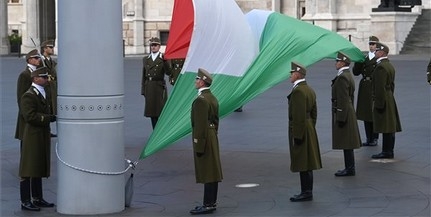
<point>154,79</point>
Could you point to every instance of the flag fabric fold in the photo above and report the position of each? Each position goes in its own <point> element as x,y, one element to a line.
<point>246,54</point>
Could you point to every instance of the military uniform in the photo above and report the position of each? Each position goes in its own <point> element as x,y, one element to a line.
<point>385,112</point>
<point>35,161</point>
<point>153,85</point>
<point>176,66</point>
<point>23,83</point>
<point>364,105</point>
<point>345,131</point>
<point>205,123</point>
<point>51,87</point>
<point>303,141</point>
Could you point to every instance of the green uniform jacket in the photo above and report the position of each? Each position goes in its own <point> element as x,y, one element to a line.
<point>176,65</point>
<point>36,143</point>
<point>23,83</point>
<point>343,90</point>
<point>51,87</point>
<point>153,85</point>
<point>364,106</point>
<point>302,123</point>
<point>205,122</point>
<point>385,112</point>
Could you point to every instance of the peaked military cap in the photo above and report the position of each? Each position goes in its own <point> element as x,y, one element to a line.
<point>155,40</point>
<point>31,54</point>
<point>296,67</point>
<point>343,57</point>
<point>373,39</point>
<point>204,75</point>
<point>48,43</point>
<point>40,72</point>
<point>383,47</point>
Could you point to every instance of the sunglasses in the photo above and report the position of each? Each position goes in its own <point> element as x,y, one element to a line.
<point>154,45</point>
<point>371,43</point>
<point>50,46</point>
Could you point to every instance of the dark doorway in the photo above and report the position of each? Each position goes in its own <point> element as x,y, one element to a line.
<point>47,20</point>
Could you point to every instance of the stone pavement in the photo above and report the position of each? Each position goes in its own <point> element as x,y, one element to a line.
<point>254,149</point>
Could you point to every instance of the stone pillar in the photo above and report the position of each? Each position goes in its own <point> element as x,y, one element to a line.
<point>30,26</point>
<point>138,28</point>
<point>90,121</point>
<point>392,28</point>
<point>4,40</point>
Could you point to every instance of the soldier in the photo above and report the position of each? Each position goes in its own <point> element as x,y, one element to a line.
<point>429,72</point>
<point>47,50</point>
<point>345,132</point>
<point>176,66</point>
<point>153,85</point>
<point>364,105</point>
<point>35,159</point>
<point>385,112</point>
<point>303,141</point>
<point>23,83</point>
<point>205,123</point>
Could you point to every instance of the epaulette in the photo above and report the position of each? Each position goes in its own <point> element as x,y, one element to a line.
<point>36,91</point>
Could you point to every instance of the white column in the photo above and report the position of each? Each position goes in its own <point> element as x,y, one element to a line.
<point>30,26</point>
<point>138,28</point>
<point>90,107</point>
<point>4,40</point>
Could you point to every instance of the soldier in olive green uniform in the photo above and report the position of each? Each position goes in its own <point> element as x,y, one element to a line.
<point>205,122</point>
<point>429,72</point>
<point>35,159</point>
<point>345,132</point>
<point>176,66</point>
<point>47,48</point>
<point>364,105</point>
<point>385,112</point>
<point>23,83</point>
<point>303,142</point>
<point>153,85</point>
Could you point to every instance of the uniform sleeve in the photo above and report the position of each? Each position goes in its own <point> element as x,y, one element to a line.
<point>200,124</point>
<point>23,83</point>
<point>379,80</point>
<point>143,78</point>
<point>28,108</point>
<point>343,99</point>
<point>298,108</point>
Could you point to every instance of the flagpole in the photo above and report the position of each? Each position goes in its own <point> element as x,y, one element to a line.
<point>90,148</point>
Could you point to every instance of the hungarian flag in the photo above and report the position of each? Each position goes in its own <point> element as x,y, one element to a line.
<point>246,55</point>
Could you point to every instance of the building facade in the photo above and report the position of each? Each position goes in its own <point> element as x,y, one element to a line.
<point>35,20</point>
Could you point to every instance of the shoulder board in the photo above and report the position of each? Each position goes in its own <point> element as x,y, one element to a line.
<point>36,90</point>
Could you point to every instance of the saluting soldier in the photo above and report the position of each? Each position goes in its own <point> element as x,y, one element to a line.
<point>385,112</point>
<point>153,85</point>
<point>205,123</point>
<point>303,141</point>
<point>345,131</point>
<point>176,66</point>
<point>364,105</point>
<point>47,50</point>
<point>35,161</point>
<point>23,83</point>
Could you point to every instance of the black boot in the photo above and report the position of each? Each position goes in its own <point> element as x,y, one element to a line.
<point>387,147</point>
<point>36,189</point>
<point>306,187</point>
<point>26,203</point>
<point>349,163</point>
<point>371,136</point>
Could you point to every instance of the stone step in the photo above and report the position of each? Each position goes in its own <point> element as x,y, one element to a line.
<point>418,41</point>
